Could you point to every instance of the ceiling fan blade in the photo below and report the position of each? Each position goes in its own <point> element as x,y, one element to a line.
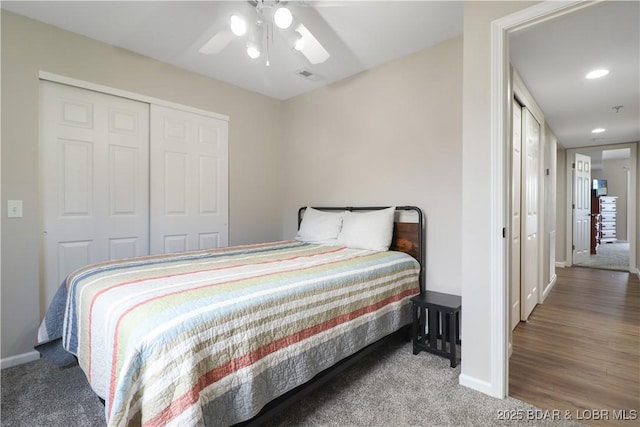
<point>312,49</point>
<point>216,43</point>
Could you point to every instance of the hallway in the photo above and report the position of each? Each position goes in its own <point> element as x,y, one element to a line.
<point>580,350</point>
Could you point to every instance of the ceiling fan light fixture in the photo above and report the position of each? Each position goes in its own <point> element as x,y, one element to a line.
<point>238,25</point>
<point>283,18</point>
<point>596,74</point>
<point>253,51</point>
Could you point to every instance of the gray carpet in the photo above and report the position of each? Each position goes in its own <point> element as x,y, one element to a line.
<point>609,256</point>
<point>390,388</point>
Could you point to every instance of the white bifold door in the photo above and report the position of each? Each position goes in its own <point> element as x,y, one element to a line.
<point>123,178</point>
<point>581,208</point>
<point>516,217</point>
<point>95,179</point>
<point>524,246</point>
<point>188,181</point>
<point>530,196</point>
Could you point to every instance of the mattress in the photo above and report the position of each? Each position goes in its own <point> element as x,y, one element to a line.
<point>210,337</point>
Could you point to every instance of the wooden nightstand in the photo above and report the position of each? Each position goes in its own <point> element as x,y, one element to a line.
<point>439,313</point>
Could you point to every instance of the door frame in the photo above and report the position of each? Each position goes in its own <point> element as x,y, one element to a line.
<point>632,215</point>
<point>499,190</point>
<point>83,84</point>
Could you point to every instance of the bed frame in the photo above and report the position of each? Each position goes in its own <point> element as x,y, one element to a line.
<point>407,238</point>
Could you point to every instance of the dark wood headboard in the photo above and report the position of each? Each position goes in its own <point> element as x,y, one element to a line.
<point>407,236</point>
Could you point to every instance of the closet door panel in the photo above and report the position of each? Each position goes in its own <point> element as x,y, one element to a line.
<point>529,213</point>
<point>189,181</point>
<point>75,183</point>
<point>516,226</point>
<point>95,179</point>
<point>175,184</point>
<point>123,170</point>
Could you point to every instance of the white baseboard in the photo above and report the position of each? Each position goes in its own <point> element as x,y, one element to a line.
<point>476,384</point>
<point>562,264</point>
<point>550,286</point>
<point>8,362</point>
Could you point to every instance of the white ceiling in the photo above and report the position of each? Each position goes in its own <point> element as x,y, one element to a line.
<point>358,35</point>
<point>552,58</point>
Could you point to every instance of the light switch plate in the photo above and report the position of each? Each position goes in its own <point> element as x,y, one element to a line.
<point>14,208</point>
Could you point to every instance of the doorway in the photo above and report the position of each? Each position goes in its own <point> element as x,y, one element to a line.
<point>501,31</point>
<point>613,190</point>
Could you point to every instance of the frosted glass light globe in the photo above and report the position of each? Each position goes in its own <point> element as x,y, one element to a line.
<point>238,25</point>
<point>253,52</point>
<point>283,18</point>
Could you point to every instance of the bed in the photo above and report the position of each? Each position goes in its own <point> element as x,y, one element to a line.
<point>227,336</point>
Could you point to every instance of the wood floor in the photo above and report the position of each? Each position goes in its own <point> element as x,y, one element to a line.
<point>580,350</point>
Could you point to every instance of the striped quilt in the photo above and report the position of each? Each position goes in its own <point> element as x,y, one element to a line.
<point>210,337</point>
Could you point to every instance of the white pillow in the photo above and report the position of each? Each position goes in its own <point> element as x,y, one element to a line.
<point>320,226</point>
<point>367,230</point>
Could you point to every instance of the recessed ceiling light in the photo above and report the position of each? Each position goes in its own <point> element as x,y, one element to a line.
<point>596,74</point>
<point>598,130</point>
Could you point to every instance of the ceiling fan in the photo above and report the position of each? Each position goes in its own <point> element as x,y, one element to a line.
<point>258,27</point>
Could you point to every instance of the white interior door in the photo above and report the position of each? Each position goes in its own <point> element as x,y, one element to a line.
<point>530,175</point>
<point>581,208</point>
<point>516,191</point>
<point>189,181</point>
<point>95,179</point>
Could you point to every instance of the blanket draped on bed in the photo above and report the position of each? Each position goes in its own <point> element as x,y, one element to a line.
<point>210,337</point>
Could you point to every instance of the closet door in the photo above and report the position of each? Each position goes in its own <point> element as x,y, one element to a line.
<point>581,208</point>
<point>530,191</point>
<point>516,207</point>
<point>95,179</point>
<point>189,181</point>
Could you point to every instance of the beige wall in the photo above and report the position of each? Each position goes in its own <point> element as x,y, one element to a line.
<point>561,206</point>
<point>476,259</point>
<point>549,222</point>
<point>388,136</point>
<point>28,47</point>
